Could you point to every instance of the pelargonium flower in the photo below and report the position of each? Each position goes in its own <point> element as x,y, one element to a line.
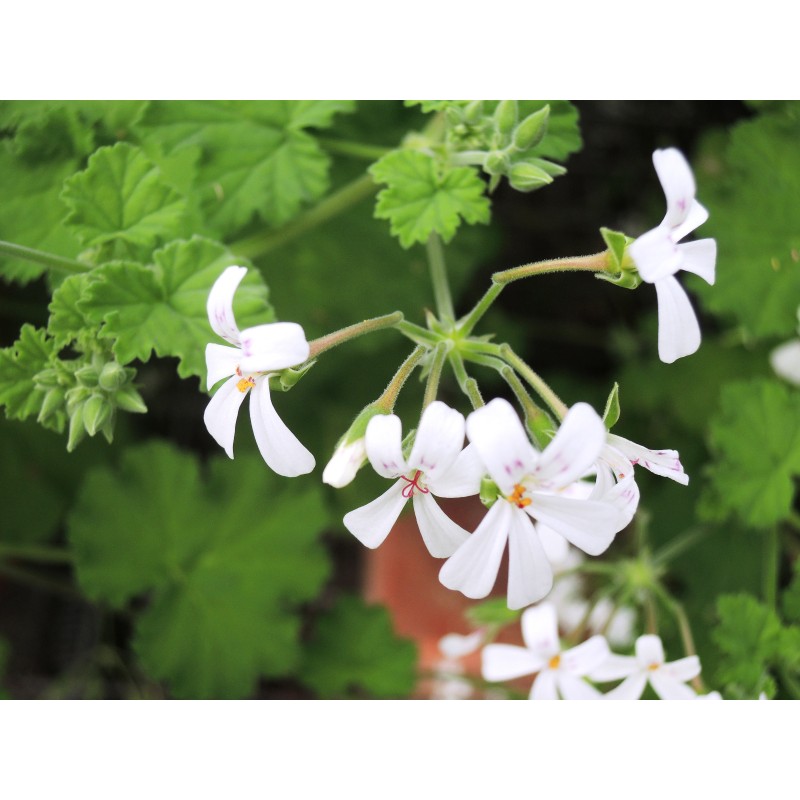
<point>659,257</point>
<point>785,360</point>
<point>530,484</point>
<point>648,666</point>
<point>666,463</point>
<point>256,354</point>
<point>437,465</point>
<point>560,673</point>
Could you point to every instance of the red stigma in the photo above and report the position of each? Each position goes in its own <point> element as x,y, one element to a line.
<point>413,483</point>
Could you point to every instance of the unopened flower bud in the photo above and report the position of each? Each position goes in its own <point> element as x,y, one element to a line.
<point>532,129</point>
<point>112,376</point>
<point>505,116</point>
<point>350,453</point>
<point>47,378</point>
<point>96,412</point>
<point>128,399</point>
<point>87,376</point>
<point>496,163</point>
<point>53,402</point>
<point>526,177</point>
<point>76,429</point>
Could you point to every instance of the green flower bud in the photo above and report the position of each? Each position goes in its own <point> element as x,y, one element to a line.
<point>525,177</point>
<point>76,429</point>
<point>75,398</point>
<point>128,399</point>
<point>96,412</point>
<point>532,129</point>
<point>52,403</point>
<point>47,378</point>
<point>87,376</point>
<point>112,377</point>
<point>490,492</point>
<point>541,427</point>
<point>505,116</point>
<point>350,453</point>
<point>496,163</point>
<point>473,111</point>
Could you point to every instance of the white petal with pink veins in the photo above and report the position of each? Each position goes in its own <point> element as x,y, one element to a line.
<point>274,346</point>
<point>439,440</point>
<point>219,305</point>
<point>384,444</point>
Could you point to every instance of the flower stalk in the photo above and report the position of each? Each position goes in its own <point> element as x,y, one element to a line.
<point>330,340</point>
<point>389,397</point>
<point>59,263</point>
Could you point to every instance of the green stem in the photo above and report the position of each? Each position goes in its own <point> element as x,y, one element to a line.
<point>598,262</point>
<point>678,546</point>
<point>435,373</point>
<point>679,612</point>
<point>468,322</point>
<point>441,286</point>
<point>771,556</point>
<point>369,152</point>
<point>389,396</point>
<point>536,382</point>
<point>29,552</point>
<point>40,257</point>
<point>468,385</point>
<point>324,343</point>
<point>255,246</point>
<point>417,333</point>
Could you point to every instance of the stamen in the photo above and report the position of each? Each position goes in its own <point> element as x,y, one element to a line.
<point>554,662</point>
<point>245,383</point>
<point>653,667</point>
<point>413,483</point>
<point>518,498</point>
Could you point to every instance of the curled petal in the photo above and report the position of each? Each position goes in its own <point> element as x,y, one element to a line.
<point>677,181</point>
<point>220,304</point>
<point>700,258</point>
<point>660,462</point>
<point>441,535</point>
<point>530,575</point>
<point>540,630</point>
<point>573,450</point>
<point>472,569</point>
<point>678,330</point>
<point>279,447</point>
<point>221,362</point>
<point>274,346</point>
<point>384,444</point>
<point>503,662</point>
<point>694,219</point>
<point>649,651</point>
<point>221,412</point>
<point>439,440</point>
<point>371,523</point>
<point>502,444</point>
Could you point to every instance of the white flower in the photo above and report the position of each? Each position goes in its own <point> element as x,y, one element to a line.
<point>668,680</point>
<point>658,256</point>
<point>437,465</point>
<point>666,463</point>
<point>257,353</point>
<point>560,672</point>
<point>531,485</point>
<point>345,463</point>
<point>785,360</point>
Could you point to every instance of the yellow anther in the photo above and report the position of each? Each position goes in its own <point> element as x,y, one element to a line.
<point>653,667</point>
<point>554,662</point>
<point>518,498</point>
<point>244,384</point>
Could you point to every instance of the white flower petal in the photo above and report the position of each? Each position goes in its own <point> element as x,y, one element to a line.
<point>573,450</point>
<point>220,304</point>
<point>384,444</point>
<point>278,446</point>
<point>530,575</point>
<point>583,658</point>
<point>540,630</point>
<point>472,569</point>
<point>274,346</point>
<point>371,523</point>
<point>649,650</point>
<point>684,669</point>
<point>221,412</point>
<point>678,330</point>
<point>503,662</point>
<point>625,498</point>
<point>221,362</point>
<point>615,667</point>
<point>439,440</point>
<point>589,524</point>
<point>345,462</point>
<point>502,444</point>
<point>456,645</point>
<point>660,462</point>
<point>617,460</point>
<point>463,479</point>
<point>556,547</point>
<point>630,689</point>
<point>677,181</point>
<point>655,254</point>
<point>700,258</point>
<point>694,219</point>
<point>544,687</point>
<point>785,360</point>
<point>667,688</point>
<point>571,687</point>
<point>441,535</point>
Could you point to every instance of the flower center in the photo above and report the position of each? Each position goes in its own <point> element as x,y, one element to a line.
<point>518,497</point>
<point>413,483</point>
<point>245,383</point>
<point>554,662</point>
<point>653,667</point>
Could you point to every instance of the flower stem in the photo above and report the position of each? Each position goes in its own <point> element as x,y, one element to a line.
<point>771,556</point>
<point>417,333</point>
<point>330,340</point>
<point>389,396</point>
<point>468,322</point>
<point>435,373</point>
<point>468,385</point>
<point>441,286</point>
<point>598,262</point>
<point>536,382</point>
<point>40,257</point>
<point>333,205</point>
<point>533,414</point>
<point>369,152</point>
<point>679,612</point>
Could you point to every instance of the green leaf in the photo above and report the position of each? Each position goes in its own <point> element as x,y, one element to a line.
<point>162,308</point>
<point>756,440</point>
<point>31,213</point>
<point>30,354</point>
<point>227,571</point>
<point>753,205</point>
<point>423,198</point>
<point>257,159</point>
<point>612,409</point>
<point>122,203</point>
<point>491,612</point>
<point>67,321</point>
<point>354,652</point>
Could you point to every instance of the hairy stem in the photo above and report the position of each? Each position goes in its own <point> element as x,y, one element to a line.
<point>389,396</point>
<point>50,260</point>
<point>441,286</point>
<point>598,262</point>
<point>535,381</point>
<point>468,322</point>
<point>435,374</point>
<point>369,152</point>
<point>330,340</point>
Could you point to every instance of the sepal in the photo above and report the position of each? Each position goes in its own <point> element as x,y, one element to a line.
<point>622,271</point>
<point>612,410</point>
